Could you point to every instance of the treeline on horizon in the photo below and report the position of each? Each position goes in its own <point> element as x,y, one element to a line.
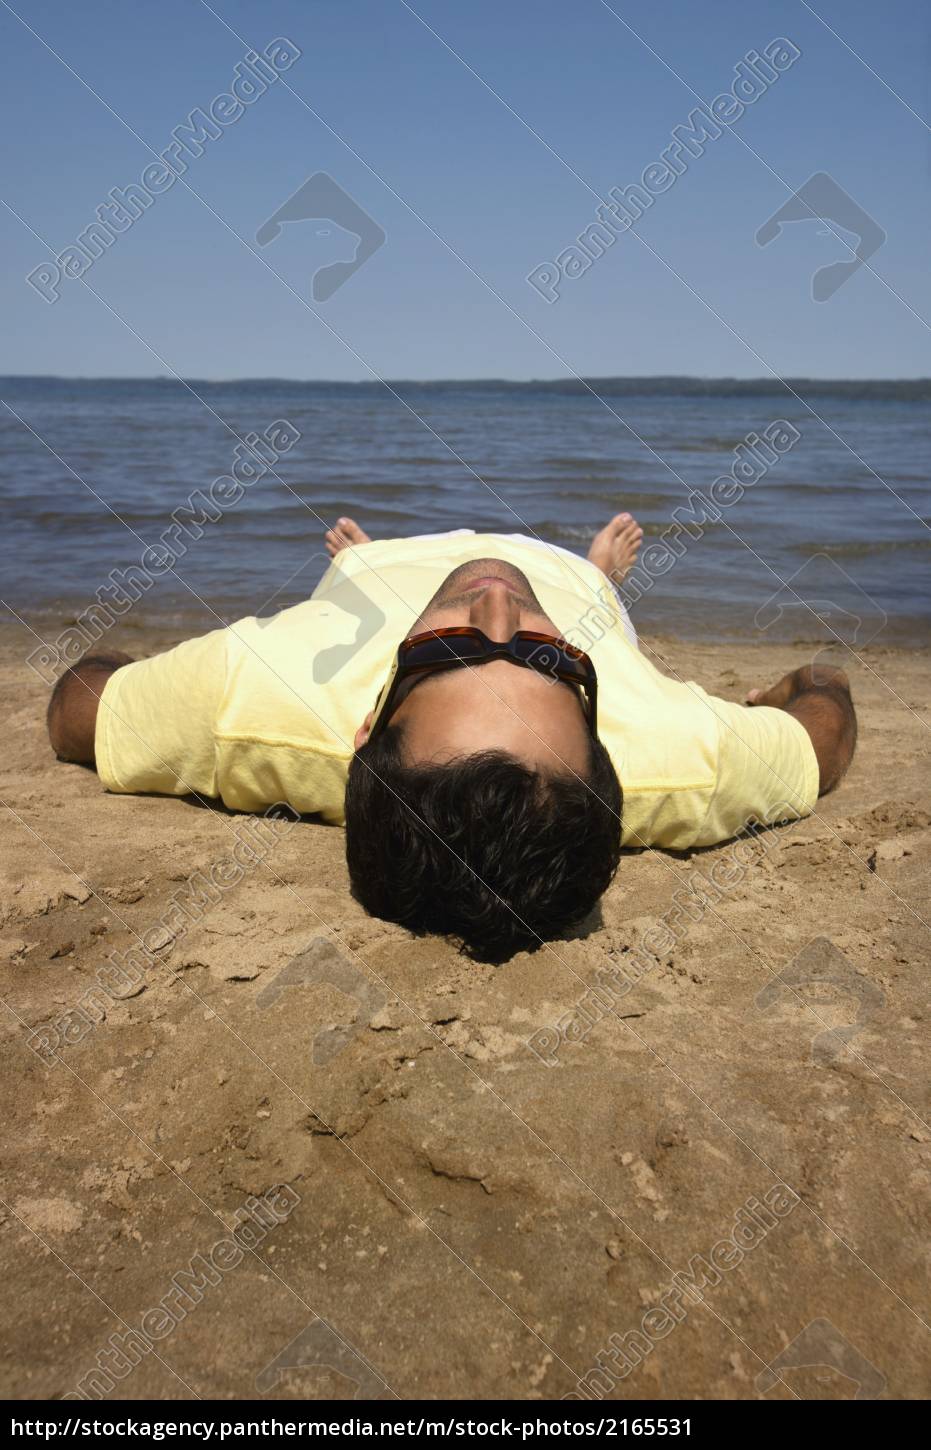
<point>897,389</point>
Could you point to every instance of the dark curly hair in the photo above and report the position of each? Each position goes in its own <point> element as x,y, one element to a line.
<point>483,849</point>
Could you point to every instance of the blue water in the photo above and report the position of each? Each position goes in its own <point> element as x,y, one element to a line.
<point>843,517</point>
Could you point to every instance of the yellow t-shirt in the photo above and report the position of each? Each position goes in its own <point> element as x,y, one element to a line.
<point>266,710</point>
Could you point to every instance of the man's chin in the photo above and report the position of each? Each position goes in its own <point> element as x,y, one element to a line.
<point>460,579</point>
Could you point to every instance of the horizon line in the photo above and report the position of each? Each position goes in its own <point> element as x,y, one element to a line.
<point>571,381</point>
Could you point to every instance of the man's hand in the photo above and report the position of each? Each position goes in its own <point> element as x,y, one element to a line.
<point>819,700</point>
<point>72,711</point>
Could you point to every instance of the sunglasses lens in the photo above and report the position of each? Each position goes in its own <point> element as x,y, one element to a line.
<point>545,657</point>
<point>552,659</point>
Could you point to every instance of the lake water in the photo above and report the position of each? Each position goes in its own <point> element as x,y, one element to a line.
<point>831,537</point>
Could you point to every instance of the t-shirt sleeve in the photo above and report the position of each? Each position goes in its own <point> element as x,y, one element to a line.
<point>767,770</point>
<point>156,720</point>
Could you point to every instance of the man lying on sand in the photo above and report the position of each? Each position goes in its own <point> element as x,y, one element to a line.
<point>487,771</point>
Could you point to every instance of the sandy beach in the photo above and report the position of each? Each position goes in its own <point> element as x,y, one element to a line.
<point>432,1208</point>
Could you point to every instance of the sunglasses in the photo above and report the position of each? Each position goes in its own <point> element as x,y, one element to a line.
<point>458,645</point>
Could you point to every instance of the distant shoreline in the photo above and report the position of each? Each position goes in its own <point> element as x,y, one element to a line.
<point>876,389</point>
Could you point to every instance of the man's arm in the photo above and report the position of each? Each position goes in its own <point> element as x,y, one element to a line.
<point>819,700</point>
<point>72,710</point>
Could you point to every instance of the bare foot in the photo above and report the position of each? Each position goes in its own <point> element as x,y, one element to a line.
<point>615,548</point>
<point>346,533</point>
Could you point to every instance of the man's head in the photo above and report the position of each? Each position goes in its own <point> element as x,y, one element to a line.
<point>484,808</point>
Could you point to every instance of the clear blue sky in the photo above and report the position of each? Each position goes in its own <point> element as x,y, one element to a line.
<point>474,177</point>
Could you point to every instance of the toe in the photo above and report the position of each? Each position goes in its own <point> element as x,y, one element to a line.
<point>350,531</point>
